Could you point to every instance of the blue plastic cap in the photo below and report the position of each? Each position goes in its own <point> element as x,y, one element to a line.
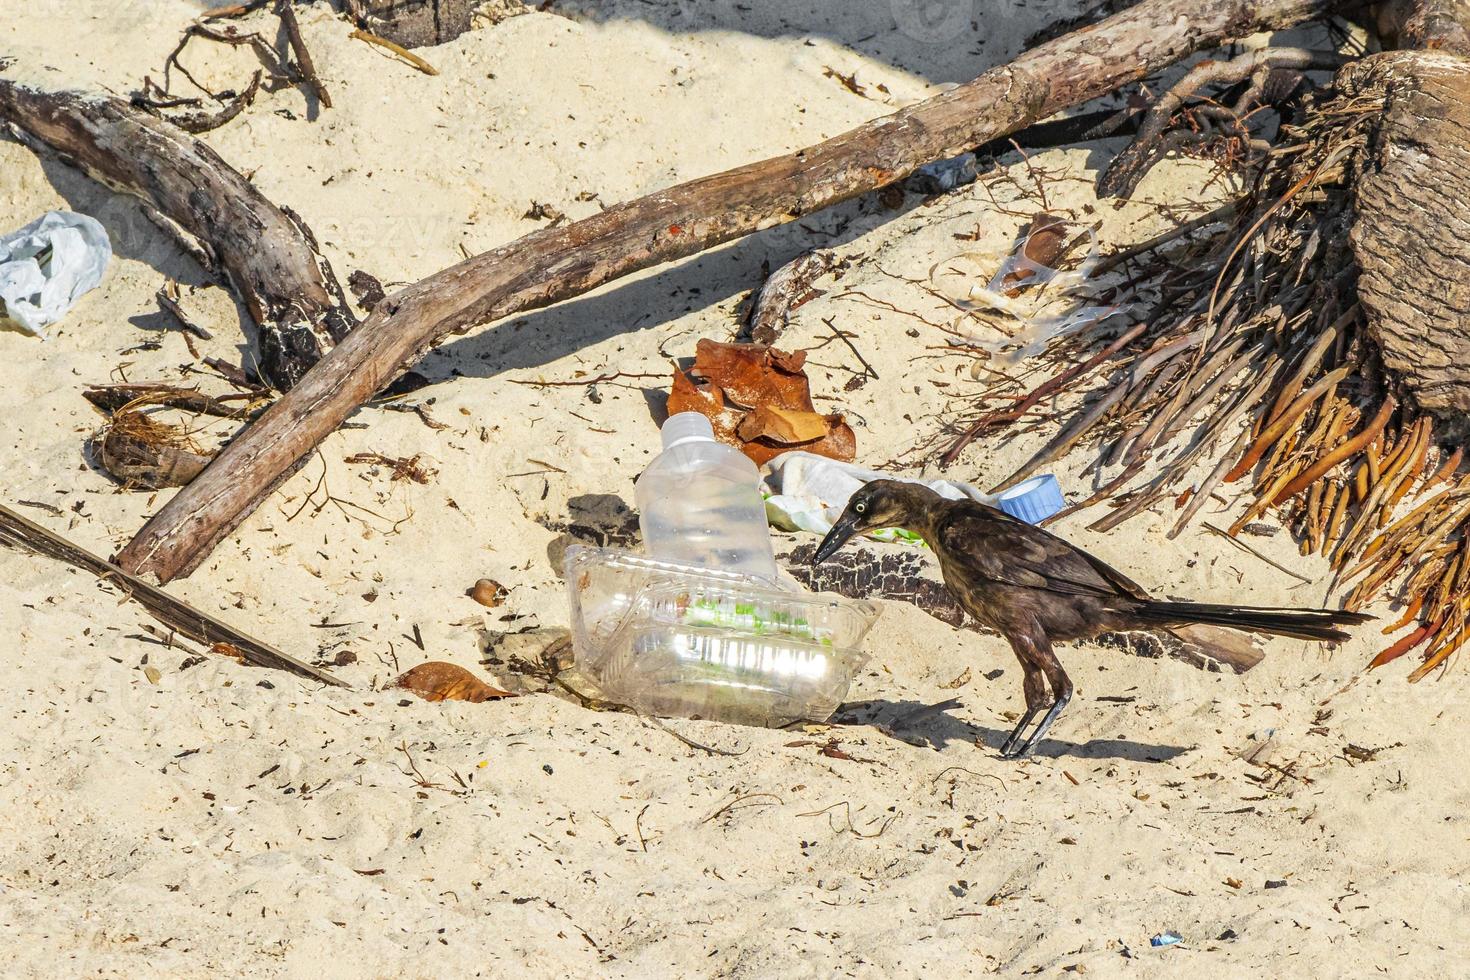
<point>1034,500</point>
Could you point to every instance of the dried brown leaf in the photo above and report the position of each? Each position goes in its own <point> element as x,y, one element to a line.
<point>758,400</point>
<point>440,681</point>
<point>784,425</point>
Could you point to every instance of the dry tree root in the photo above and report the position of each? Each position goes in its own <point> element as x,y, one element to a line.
<point>139,450</point>
<point>1304,317</point>
<point>1272,77</point>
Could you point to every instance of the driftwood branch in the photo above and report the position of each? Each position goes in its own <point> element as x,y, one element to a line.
<point>178,616</point>
<point>556,263</point>
<point>784,292</point>
<point>267,252</point>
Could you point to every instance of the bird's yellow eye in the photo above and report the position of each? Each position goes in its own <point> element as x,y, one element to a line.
<point>860,508</point>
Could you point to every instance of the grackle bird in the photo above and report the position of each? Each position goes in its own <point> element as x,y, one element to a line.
<point>1036,589</point>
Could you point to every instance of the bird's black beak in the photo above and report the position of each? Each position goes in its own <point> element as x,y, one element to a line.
<point>845,528</point>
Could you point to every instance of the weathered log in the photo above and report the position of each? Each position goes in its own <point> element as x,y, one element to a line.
<point>267,252</point>
<point>1429,25</point>
<point>1411,230</point>
<point>556,263</point>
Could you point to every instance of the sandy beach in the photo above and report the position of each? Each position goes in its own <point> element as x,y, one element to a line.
<point>174,814</point>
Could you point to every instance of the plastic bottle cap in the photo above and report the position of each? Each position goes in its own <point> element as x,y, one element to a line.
<point>686,427</point>
<point>1034,500</point>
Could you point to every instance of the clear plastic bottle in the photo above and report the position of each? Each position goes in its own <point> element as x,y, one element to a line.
<point>699,502</point>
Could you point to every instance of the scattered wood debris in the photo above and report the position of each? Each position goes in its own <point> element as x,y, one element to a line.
<point>399,467</point>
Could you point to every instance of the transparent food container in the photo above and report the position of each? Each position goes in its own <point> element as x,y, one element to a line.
<point>683,640</point>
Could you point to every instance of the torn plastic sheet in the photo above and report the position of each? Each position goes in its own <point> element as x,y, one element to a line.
<point>46,266</point>
<point>1041,298</point>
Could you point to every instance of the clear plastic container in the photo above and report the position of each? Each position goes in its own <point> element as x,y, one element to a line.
<point>699,502</point>
<point>678,639</point>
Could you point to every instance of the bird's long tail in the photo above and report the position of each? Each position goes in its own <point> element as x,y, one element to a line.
<point>1305,624</point>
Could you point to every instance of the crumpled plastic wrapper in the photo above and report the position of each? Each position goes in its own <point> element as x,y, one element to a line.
<point>46,266</point>
<point>1046,302</point>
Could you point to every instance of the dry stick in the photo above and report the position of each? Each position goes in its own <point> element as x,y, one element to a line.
<point>1447,468</point>
<point>1403,646</point>
<point>398,49</point>
<point>1407,470</point>
<point>1410,611</point>
<point>1308,364</point>
<point>1077,428</point>
<point>298,48</point>
<point>173,613</point>
<point>554,264</point>
<point>1208,486</point>
<point>1319,506</point>
<point>1048,387</point>
<point>1219,532</point>
<point>1181,465</point>
<point>1110,262</point>
<point>1162,431</point>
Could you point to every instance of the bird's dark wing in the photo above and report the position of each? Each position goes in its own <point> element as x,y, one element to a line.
<point>994,546</point>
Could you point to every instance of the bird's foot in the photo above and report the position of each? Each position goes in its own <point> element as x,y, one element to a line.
<point>1015,748</point>
<point>1013,745</point>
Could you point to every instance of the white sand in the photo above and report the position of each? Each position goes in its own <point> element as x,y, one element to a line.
<point>222,820</point>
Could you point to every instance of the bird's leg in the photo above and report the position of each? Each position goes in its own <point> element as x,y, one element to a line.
<point>1061,689</point>
<point>1036,700</point>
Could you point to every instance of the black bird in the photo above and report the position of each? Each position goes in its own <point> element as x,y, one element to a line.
<point>1036,589</point>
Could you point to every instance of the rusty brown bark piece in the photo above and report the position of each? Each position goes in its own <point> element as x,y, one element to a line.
<point>266,251</point>
<point>556,263</point>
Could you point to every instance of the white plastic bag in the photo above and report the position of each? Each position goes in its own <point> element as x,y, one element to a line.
<point>806,492</point>
<point>47,265</point>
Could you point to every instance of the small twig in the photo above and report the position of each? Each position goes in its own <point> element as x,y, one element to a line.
<point>402,52</point>
<point>850,828</point>
<point>298,48</point>
<point>166,299</point>
<point>983,775</point>
<point>232,10</point>
<point>598,704</point>
<point>658,722</point>
<point>582,382</point>
<point>1247,548</point>
<point>847,339</point>
<point>741,799</point>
